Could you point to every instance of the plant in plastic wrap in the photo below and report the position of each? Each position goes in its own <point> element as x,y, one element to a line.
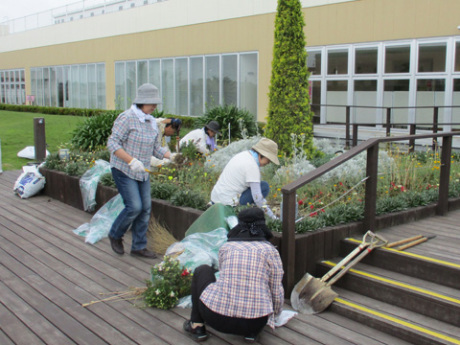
<point>170,281</point>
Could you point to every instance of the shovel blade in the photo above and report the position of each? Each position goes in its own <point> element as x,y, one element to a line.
<point>311,296</point>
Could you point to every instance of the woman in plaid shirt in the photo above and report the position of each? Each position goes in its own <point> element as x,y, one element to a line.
<point>132,143</point>
<point>249,293</point>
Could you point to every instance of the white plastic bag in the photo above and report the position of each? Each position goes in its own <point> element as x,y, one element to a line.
<point>88,183</point>
<point>284,317</point>
<point>102,221</point>
<point>29,152</point>
<point>29,183</point>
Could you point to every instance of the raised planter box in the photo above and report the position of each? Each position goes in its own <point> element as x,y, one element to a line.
<point>66,189</point>
<point>310,247</point>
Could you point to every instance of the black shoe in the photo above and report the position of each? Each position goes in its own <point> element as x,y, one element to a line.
<point>117,245</point>
<point>250,338</point>
<point>198,333</point>
<point>145,253</point>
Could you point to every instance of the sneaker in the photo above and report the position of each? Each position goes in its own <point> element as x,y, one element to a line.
<point>145,253</point>
<point>198,333</point>
<point>117,245</point>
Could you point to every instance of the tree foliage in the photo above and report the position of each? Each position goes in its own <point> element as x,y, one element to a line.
<point>289,105</point>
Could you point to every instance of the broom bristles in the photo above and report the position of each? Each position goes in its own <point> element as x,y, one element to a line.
<point>159,238</point>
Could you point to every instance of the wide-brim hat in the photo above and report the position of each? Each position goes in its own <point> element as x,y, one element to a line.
<point>213,126</point>
<point>147,94</point>
<point>267,148</point>
<point>251,226</point>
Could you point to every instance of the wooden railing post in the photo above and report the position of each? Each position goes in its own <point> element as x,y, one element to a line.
<point>288,241</point>
<point>412,141</point>
<point>435,126</point>
<point>355,135</point>
<point>443,201</point>
<point>370,203</point>
<point>347,127</point>
<point>388,124</point>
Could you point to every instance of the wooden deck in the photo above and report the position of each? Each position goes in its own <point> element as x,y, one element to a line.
<point>47,273</point>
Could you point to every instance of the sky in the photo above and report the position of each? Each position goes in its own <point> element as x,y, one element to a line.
<point>11,9</point>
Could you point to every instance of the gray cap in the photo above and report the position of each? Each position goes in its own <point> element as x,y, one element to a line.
<point>147,94</point>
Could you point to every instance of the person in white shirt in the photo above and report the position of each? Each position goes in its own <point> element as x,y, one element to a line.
<point>204,138</point>
<point>240,182</point>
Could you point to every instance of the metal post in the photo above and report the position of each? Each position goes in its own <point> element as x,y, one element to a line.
<point>443,200</point>
<point>355,135</point>
<point>388,122</point>
<point>39,139</point>
<point>370,202</point>
<point>347,127</point>
<point>412,141</point>
<point>435,126</point>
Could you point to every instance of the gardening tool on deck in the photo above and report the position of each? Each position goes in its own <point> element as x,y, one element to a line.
<point>312,295</point>
<point>415,242</point>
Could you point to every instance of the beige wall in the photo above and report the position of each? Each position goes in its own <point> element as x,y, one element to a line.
<point>346,22</point>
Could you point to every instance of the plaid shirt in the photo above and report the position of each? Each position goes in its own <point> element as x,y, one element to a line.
<point>249,284</point>
<point>138,139</point>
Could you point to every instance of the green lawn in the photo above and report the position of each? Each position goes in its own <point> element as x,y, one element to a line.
<point>17,132</point>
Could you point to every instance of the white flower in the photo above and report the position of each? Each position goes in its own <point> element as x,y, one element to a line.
<point>157,291</point>
<point>172,294</point>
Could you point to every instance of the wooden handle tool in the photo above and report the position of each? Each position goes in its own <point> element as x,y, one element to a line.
<point>397,243</point>
<point>414,243</point>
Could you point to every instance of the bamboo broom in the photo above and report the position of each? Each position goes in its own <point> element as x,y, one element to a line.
<point>158,237</point>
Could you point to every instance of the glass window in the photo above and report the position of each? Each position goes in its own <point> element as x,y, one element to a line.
<point>155,73</point>
<point>53,86</point>
<point>397,59</point>
<point>366,61</point>
<point>336,94</point>
<point>196,86</point>
<point>167,87</point>
<point>432,58</point>
<point>456,101</point>
<point>131,83</point>
<point>92,89</point>
<point>83,86</point>
<point>100,71</point>
<point>315,99</point>
<point>142,73</point>
<point>248,82</point>
<point>365,95</point>
<point>212,81</point>
<point>337,62</point>
<point>314,62</point>
<point>430,92</point>
<point>457,57</point>
<point>396,94</point>
<point>120,96</point>
<point>181,86</point>
<point>229,81</point>
<point>75,89</point>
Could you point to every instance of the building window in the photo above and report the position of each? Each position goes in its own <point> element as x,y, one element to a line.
<point>79,86</point>
<point>230,79</point>
<point>314,62</point>
<point>397,59</point>
<point>396,94</point>
<point>432,58</point>
<point>12,86</point>
<point>196,86</point>
<point>430,92</point>
<point>366,61</point>
<point>336,94</point>
<point>337,62</point>
<point>457,57</point>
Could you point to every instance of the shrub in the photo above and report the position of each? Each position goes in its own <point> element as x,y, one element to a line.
<point>187,198</point>
<point>242,122</point>
<point>94,132</point>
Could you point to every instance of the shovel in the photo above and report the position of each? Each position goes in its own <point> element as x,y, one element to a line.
<point>312,295</point>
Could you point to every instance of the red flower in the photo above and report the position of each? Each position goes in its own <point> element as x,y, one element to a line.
<point>300,202</point>
<point>185,273</point>
<point>313,214</point>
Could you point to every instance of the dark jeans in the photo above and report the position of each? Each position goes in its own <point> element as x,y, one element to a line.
<point>246,196</point>
<point>138,202</point>
<point>202,277</point>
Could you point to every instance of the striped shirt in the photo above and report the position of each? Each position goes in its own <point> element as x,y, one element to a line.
<point>138,139</point>
<point>250,281</point>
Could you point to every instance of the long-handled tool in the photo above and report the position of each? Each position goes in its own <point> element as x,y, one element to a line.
<point>416,242</point>
<point>312,295</point>
<point>400,242</point>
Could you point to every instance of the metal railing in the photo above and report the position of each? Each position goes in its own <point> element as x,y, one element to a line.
<point>352,129</point>
<point>288,246</point>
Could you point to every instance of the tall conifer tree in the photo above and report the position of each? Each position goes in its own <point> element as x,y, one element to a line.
<point>289,105</point>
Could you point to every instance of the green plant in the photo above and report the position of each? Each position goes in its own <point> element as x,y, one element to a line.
<point>169,282</point>
<point>242,123</point>
<point>95,131</point>
<point>107,180</point>
<point>162,191</point>
<point>187,198</point>
<point>289,109</point>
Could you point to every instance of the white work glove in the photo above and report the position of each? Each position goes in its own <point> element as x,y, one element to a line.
<point>155,162</point>
<point>136,165</point>
<point>173,156</point>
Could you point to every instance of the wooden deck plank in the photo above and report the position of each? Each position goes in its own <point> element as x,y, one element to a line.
<point>47,272</point>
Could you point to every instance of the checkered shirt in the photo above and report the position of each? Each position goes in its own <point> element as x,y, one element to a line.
<point>249,284</point>
<point>138,139</point>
